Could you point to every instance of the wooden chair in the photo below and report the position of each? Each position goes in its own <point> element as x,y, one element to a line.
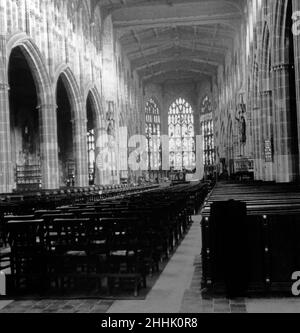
<point>27,254</point>
<point>125,262</point>
<point>67,246</point>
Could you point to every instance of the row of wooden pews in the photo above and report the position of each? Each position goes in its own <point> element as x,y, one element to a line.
<point>26,203</point>
<point>106,243</point>
<point>271,242</point>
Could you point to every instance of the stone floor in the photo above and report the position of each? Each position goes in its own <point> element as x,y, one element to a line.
<point>176,291</point>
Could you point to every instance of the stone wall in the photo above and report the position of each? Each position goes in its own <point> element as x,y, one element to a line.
<point>258,83</point>
<point>72,40</point>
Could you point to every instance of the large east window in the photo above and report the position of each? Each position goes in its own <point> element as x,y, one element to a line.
<point>182,136</point>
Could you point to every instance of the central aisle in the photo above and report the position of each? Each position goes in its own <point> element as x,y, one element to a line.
<point>167,294</point>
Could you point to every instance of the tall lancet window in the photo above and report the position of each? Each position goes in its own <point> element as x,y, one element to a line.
<point>182,136</point>
<point>91,155</point>
<point>153,133</point>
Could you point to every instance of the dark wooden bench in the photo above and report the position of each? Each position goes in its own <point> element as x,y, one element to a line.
<point>273,233</point>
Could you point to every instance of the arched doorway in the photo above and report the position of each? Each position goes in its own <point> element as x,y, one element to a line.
<point>91,137</point>
<point>24,123</point>
<point>65,136</point>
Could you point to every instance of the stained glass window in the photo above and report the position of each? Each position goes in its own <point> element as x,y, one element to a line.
<point>91,155</point>
<point>182,136</point>
<point>153,133</point>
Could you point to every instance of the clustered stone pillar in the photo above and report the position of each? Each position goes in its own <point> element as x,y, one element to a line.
<point>6,170</point>
<point>103,173</point>
<point>267,130</point>
<point>284,104</point>
<point>80,151</point>
<point>256,142</point>
<point>296,17</point>
<point>286,159</point>
<point>49,147</point>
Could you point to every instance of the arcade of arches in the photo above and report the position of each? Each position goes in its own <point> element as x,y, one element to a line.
<point>74,73</point>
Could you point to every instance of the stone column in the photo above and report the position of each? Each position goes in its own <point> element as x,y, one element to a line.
<point>267,130</point>
<point>99,175</point>
<point>49,146</point>
<point>256,143</point>
<point>79,126</point>
<point>296,20</point>
<point>6,168</point>
<point>285,147</point>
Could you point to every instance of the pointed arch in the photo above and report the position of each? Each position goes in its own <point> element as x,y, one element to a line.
<point>265,60</point>
<point>96,100</point>
<point>73,90</point>
<point>79,120</point>
<point>36,63</point>
<point>46,105</point>
<point>282,31</point>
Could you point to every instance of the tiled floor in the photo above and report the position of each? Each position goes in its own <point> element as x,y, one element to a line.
<point>178,290</point>
<point>167,294</point>
<point>48,306</point>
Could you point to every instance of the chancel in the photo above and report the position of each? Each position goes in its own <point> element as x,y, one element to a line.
<point>149,156</point>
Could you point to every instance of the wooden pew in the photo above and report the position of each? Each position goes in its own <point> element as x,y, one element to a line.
<point>273,231</point>
<point>133,228</point>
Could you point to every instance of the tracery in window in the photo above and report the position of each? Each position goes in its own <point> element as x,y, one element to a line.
<point>153,132</point>
<point>209,144</point>
<point>182,136</point>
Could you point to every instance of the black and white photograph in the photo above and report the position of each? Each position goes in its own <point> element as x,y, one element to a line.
<point>149,160</point>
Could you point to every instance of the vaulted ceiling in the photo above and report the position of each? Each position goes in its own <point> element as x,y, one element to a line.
<point>175,39</point>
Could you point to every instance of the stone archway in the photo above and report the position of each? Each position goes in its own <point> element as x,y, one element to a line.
<point>94,123</point>
<point>73,99</point>
<point>46,111</point>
